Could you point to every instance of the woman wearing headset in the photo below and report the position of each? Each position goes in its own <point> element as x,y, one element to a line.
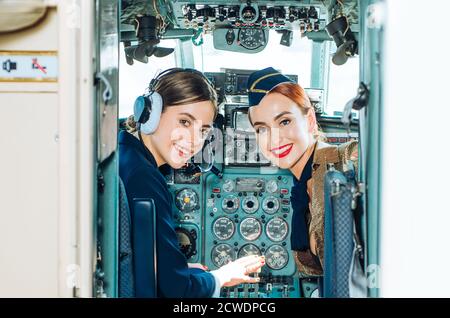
<point>288,135</point>
<point>170,125</point>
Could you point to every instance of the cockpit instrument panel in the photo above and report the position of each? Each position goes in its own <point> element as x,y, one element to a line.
<point>234,81</point>
<point>244,218</point>
<point>236,215</point>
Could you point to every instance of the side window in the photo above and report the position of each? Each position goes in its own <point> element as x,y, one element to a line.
<point>135,78</point>
<point>343,82</point>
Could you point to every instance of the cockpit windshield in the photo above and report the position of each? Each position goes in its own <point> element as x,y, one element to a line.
<point>295,59</point>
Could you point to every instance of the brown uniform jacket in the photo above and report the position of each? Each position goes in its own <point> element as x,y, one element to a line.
<point>323,154</point>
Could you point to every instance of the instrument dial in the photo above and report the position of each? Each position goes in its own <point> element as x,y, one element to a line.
<point>222,254</point>
<point>277,257</point>
<point>249,249</point>
<point>277,229</point>
<point>251,39</point>
<point>250,204</point>
<point>186,241</point>
<point>271,186</point>
<point>250,229</point>
<point>228,185</point>
<point>249,14</point>
<point>187,200</point>
<point>223,228</point>
<point>230,203</point>
<point>270,204</point>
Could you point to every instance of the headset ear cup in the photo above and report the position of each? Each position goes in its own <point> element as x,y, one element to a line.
<point>141,109</point>
<point>156,105</point>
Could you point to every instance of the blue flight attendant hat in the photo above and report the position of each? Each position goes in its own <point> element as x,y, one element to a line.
<point>261,82</point>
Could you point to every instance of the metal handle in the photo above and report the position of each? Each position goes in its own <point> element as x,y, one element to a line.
<point>107,93</point>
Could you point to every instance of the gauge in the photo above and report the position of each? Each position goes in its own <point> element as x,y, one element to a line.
<point>251,39</point>
<point>270,204</point>
<point>228,185</point>
<point>222,254</point>
<point>230,203</point>
<point>277,229</point>
<point>223,228</point>
<point>249,14</point>
<point>250,229</point>
<point>184,176</point>
<point>249,249</point>
<point>186,241</point>
<point>277,257</point>
<point>186,200</point>
<point>250,204</point>
<point>271,186</point>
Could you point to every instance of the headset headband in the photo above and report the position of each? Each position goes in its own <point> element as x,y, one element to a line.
<point>154,82</point>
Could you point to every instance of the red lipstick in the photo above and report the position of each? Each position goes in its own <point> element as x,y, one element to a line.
<point>287,149</point>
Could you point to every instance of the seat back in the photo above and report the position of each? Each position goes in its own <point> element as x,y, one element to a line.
<point>144,248</point>
<point>137,247</point>
<point>126,272</point>
<point>343,275</point>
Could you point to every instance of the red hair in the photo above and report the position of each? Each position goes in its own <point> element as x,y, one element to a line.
<point>295,93</point>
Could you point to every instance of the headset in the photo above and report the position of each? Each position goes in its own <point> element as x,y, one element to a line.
<point>148,108</point>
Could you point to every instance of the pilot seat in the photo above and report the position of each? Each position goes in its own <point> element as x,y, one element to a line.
<point>137,247</point>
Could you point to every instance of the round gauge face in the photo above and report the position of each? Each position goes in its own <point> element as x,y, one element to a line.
<point>223,228</point>
<point>270,204</point>
<point>222,254</point>
<point>250,229</point>
<point>277,257</point>
<point>277,229</point>
<point>251,39</point>
<point>248,14</point>
<point>230,203</point>
<point>271,186</point>
<point>250,204</point>
<point>249,249</point>
<point>186,241</point>
<point>228,185</point>
<point>186,200</point>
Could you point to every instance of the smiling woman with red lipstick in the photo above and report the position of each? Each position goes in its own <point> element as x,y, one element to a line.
<point>288,135</point>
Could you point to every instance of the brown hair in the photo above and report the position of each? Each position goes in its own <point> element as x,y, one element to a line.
<point>181,88</point>
<point>297,94</point>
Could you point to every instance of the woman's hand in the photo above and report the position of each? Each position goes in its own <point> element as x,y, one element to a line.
<point>235,273</point>
<point>198,265</point>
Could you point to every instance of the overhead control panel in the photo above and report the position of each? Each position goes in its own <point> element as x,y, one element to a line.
<point>278,15</point>
<point>244,26</point>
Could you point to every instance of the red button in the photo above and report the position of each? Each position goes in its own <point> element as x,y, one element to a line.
<point>216,190</point>
<point>284,191</point>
